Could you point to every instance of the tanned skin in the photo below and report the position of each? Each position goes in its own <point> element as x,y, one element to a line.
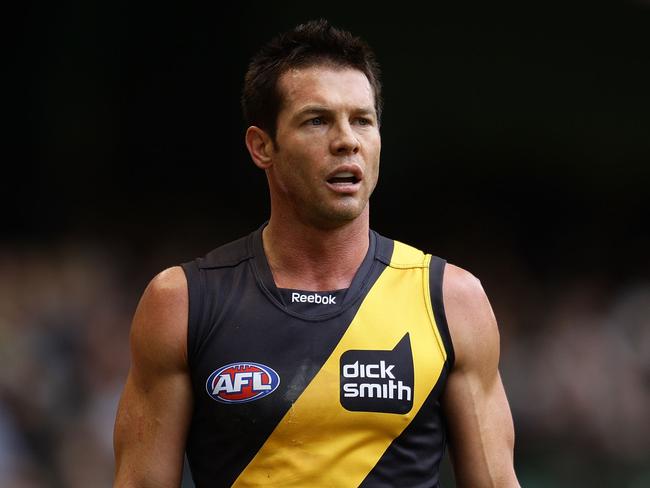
<point>316,239</point>
<point>156,405</point>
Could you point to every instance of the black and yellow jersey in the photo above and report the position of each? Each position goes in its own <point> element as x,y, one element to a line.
<point>294,388</point>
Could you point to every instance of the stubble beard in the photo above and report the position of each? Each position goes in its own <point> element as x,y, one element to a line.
<point>331,215</point>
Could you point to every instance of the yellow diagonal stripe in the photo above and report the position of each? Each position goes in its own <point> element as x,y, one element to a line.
<point>320,444</point>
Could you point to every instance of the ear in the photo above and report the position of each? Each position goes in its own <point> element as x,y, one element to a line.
<point>260,147</point>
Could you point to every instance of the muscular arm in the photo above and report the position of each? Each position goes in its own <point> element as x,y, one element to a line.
<point>155,408</point>
<point>479,420</point>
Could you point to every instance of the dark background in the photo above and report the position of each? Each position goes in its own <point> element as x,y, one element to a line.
<point>515,144</point>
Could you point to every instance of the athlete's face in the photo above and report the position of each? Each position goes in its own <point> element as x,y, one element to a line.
<point>325,160</point>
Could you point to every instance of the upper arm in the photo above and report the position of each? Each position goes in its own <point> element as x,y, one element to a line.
<point>475,403</point>
<point>155,408</point>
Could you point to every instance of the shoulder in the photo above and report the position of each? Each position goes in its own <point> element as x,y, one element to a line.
<point>168,284</point>
<point>470,319</point>
<point>159,327</point>
<point>461,285</point>
<point>166,293</point>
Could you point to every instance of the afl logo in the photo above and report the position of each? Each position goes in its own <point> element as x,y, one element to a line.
<point>241,382</point>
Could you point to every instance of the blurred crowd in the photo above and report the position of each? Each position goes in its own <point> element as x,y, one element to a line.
<point>64,321</point>
<point>575,362</point>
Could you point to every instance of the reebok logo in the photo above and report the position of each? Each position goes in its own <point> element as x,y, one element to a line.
<point>313,298</point>
<point>378,381</point>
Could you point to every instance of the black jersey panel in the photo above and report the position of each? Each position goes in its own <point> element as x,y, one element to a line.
<point>230,254</point>
<point>195,305</point>
<point>436,276</point>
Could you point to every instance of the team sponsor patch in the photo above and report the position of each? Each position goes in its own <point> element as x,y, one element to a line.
<point>242,382</point>
<point>378,381</point>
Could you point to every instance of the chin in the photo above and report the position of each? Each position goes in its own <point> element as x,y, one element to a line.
<point>341,215</point>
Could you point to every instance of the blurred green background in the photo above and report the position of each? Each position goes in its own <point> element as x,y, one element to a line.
<point>516,144</point>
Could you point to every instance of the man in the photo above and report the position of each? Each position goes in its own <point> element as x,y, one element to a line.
<point>314,352</point>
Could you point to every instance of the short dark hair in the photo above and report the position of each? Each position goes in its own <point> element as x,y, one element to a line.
<point>315,42</point>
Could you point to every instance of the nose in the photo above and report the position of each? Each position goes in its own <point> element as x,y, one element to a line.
<point>345,141</point>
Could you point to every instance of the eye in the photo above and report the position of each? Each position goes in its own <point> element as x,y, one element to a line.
<point>363,121</point>
<point>316,121</point>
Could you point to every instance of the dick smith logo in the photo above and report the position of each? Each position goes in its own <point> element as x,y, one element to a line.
<point>378,381</point>
<point>391,389</point>
<point>241,382</point>
<point>313,298</point>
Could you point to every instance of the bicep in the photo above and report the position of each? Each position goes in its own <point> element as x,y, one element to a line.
<point>475,404</point>
<point>155,408</point>
<point>150,432</point>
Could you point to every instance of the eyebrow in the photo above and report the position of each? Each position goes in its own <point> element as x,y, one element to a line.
<point>319,109</point>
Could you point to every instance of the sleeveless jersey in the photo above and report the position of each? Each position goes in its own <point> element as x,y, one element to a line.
<point>311,389</point>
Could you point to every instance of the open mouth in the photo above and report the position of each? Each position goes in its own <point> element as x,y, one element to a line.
<point>344,177</point>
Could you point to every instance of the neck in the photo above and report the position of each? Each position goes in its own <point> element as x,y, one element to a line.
<point>308,258</point>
